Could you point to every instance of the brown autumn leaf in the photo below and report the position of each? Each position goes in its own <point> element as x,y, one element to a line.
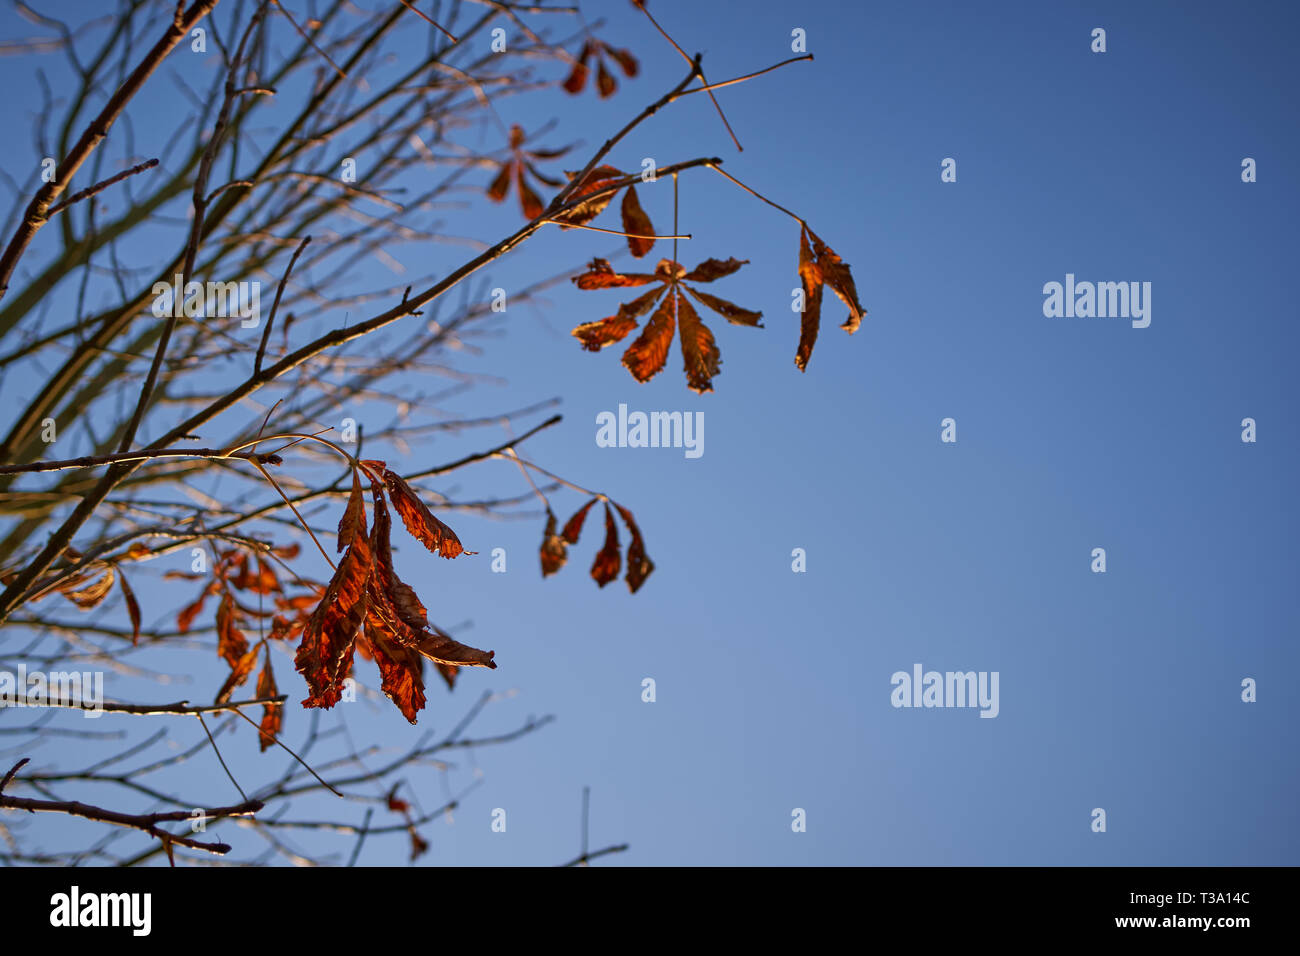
<point>396,803</point>
<point>263,581</point>
<point>405,602</point>
<point>239,672</point>
<point>325,655</point>
<point>419,520</point>
<point>530,202</point>
<point>132,607</point>
<point>728,310</point>
<point>835,273</point>
<point>608,561</point>
<point>639,565</point>
<point>231,643</point>
<point>699,350</point>
<point>711,270</point>
<point>601,275</point>
<point>272,714</point>
<point>594,336</point>
<point>92,594</point>
<point>401,670</point>
<point>626,61</point>
<point>577,78</point>
<point>636,221</point>
<point>354,516</point>
<point>646,356</point>
<point>517,169</point>
<point>419,845</point>
<point>606,85</point>
<point>573,527</point>
<point>587,209</point>
<point>185,619</point>
<point>596,50</point>
<point>439,647</point>
<point>810,278</point>
<point>554,551</point>
<point>448,672</point>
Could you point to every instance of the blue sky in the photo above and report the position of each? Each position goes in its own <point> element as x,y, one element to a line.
<point>1118,690</point>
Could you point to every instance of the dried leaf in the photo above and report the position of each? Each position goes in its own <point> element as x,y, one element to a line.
<point>272,714</point>
<point>606,85</point>
<point>728,310</point>
<point>185,619</point>
<point>419,845</point>
<point>419,520</point>
<point>626,61</point>
<point>577,77</point>
<point>441,648</point>
<point>711,269</point>
<point>637,222</point>
<point>132,607</point>
<point>835,273</point>
<point>395,803</point>
<point>700,355</point>
<point>401,670</point>
<point>639,565</point>
<point>554,551</point>
<point>573,527</point>
<point>601,275</point>
<point>239,672</point>
<point>231,643</point>
<point>406,604</point>
<point>262,582</point>
<point>811,279</point>
<point>325,655</point>
<point>646,356</point>
<point>529,201</point>
<point>608,561</point>
<point>354,516</point>
<point>587,210</point>
<point>500,185</point>
<point>92,594</point>
<point>594,336</point>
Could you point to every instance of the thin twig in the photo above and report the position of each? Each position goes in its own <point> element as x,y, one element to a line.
<point>98,187</point>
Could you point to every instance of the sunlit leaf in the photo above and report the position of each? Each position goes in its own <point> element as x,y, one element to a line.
<point>419,520</point>
<point>835,273</point>
<point>325,655</point>
<point>711,269</point>
<point>608,561</point>
<point>601,275</point>
<point>573,527</point>
<point>646,356</point>
<point>554,550</point>
<point>700,355</point>
<point>272,714</point>
<point>132,607</point>
<point>811,279</point>
<point>639,565</point>
<point>354,516</point>
<point>728,310</point>
<point>636,222</point>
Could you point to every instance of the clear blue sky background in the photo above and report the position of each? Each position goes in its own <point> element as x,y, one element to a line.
<point>1118,690</point>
